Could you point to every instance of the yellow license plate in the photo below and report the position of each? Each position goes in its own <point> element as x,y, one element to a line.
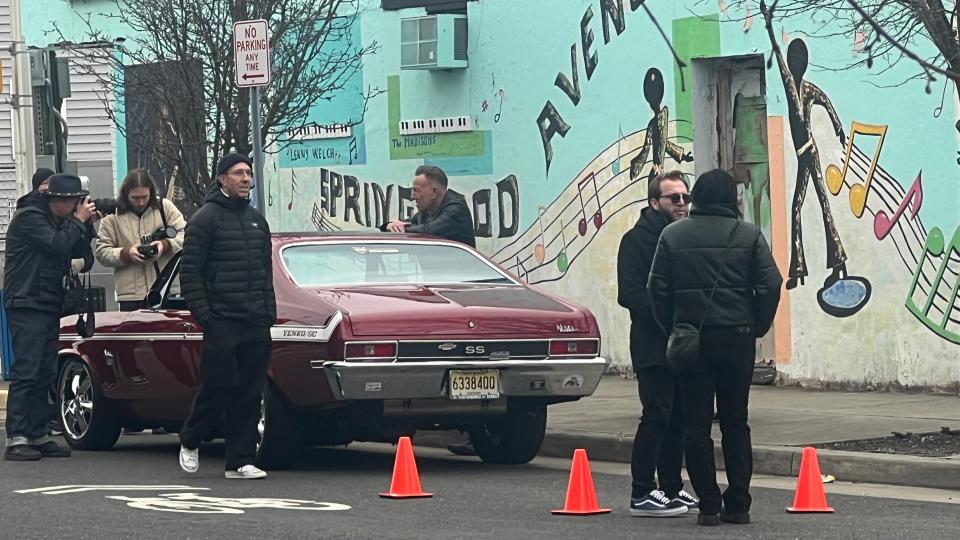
<point>474,384</point>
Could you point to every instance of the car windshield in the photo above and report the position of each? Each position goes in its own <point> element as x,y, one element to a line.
<point>378,263</point>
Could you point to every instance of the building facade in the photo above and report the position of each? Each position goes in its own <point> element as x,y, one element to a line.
<point>551,116</point>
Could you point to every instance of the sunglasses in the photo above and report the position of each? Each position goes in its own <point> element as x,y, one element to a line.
<point>675,198</point>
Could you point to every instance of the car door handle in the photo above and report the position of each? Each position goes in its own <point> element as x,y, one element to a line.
<point>188,326</point>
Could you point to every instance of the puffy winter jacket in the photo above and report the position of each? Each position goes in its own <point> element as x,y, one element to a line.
<point>648,343</point>
<point>227,267</point>
<point>686,263</point>
<point>39,250</point>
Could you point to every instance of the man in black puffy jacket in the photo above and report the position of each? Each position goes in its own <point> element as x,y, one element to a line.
<point>227,281</point>
<point>658,444</point>
<point>690,257</point>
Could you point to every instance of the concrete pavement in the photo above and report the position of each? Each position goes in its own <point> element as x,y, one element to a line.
<point>783,420</point>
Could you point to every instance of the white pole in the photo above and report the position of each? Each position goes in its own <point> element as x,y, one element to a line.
<point>22,105</point>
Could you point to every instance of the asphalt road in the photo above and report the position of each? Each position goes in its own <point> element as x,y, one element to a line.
<point>334,495</point>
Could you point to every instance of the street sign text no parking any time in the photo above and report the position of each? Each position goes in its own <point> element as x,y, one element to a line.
<point>251,53</point>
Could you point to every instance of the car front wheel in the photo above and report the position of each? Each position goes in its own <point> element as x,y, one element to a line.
<point>513,439</point>
<point>280,437</point>
<point>88,420</point>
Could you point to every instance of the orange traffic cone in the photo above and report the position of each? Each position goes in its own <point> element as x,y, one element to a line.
<point>406,481</point>
<point>810,496</point>
<point>581,495</point>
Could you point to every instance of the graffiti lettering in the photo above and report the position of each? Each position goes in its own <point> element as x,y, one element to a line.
<point>550,122</point>
<point>370,204</point>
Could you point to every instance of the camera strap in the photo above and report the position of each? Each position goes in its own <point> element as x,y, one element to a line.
<point>163,214</point>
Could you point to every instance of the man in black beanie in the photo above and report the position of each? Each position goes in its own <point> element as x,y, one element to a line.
<point>41,178</point>
<point>230,241</point>
<point>46,232</point>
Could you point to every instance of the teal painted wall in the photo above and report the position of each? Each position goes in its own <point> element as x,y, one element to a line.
<point>579,208</point>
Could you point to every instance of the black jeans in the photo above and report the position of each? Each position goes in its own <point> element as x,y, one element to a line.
<point>234,370</point>
<point>34,334</point>
<point>658,444</point>
<point>725,371</point>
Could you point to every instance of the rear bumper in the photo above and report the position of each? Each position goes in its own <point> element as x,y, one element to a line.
<point>428,380</point>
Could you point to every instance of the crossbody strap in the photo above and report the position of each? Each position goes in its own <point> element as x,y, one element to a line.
<point>716,282</point>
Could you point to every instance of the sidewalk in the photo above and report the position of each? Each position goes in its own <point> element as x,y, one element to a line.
<point>782,421</point>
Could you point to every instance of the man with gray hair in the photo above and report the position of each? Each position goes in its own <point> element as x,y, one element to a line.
<point>440,210</point>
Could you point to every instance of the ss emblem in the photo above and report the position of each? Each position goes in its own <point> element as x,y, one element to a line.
<point>474,349</point>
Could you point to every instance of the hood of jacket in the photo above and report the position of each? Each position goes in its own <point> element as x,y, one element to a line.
<point>651,222</point>
<point>35,199</point>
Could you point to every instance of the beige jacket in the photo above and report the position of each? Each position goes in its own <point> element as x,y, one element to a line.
<point>119,232</point>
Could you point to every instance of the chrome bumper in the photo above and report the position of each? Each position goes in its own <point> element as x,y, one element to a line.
<point>418,380</point>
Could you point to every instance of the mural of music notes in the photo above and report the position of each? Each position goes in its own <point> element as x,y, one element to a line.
<point>522,271</point>
<point>883,223</point>
<point>540,249</point>
<point>598,215</point>
<point>615,166</point>
<point>354,153</point>
<point>293,188</point>
<point>836,176</point>
<point>935,246</point>
<point>562,261</point>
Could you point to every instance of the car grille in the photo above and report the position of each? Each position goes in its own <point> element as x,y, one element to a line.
<point>413,351</point>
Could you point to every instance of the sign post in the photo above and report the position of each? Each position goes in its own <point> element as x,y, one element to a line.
<point>251,55</point>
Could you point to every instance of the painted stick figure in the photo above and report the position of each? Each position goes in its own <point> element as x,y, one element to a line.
<point>801,97</point>
<point>657,130</point>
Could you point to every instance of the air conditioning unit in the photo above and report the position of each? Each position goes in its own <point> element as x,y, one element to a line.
<point>433,42</point>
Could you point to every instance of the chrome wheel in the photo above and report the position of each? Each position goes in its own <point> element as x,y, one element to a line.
<point>76,400</point>
<point>262,423</point>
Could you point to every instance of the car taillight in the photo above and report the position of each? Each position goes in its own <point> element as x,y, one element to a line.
<point>578,347</point>
<point>370,350</point>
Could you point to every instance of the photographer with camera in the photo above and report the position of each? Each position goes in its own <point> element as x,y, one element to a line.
<point>139,239</point>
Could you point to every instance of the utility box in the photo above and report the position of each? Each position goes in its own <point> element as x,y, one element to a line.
<point>433,42</point>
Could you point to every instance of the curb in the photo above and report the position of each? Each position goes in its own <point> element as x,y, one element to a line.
<point>900,470</point>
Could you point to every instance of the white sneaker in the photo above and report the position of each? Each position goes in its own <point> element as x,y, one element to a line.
<point>189,459</point>
<point>247,472</point>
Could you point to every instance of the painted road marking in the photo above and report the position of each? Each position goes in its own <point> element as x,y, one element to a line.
<point>194,503</point>
<point>60,490</point>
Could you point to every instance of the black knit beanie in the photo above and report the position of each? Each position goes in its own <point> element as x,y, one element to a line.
<point>42,174</point>
<point>230,160</point>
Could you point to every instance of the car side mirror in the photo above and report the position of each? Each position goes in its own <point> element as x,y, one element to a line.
<point>161,287</point>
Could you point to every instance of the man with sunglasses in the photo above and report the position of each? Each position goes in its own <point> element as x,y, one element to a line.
<point>658,444</point>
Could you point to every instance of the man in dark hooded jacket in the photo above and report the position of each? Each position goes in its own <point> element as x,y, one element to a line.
<point>440,210</point>
<point>715,273</point>
<point>46,232</point>
<point>227,281</point>
<point>657,445</point>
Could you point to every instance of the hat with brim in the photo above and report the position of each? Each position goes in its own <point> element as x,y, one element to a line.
<point>65,186</point>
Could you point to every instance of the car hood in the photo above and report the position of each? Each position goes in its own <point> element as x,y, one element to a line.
<point>417,310</point>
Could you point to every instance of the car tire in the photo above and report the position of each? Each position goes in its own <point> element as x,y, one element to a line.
<point>87,417</point>
<point>280,435</point>
<point>513,439</point>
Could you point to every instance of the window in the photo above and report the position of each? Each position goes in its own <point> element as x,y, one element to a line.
<point>418,41</point>
<point>381,263</point>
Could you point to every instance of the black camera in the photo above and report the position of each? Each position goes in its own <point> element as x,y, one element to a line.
<point>163,233</point>
<point>146,249</point>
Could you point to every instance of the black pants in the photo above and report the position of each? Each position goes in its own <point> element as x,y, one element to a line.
<point>658,444</point>
<point>725,371</point>
<point>234,370</point>
<point>34,334</point>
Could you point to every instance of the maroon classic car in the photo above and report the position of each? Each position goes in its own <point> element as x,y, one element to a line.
<point>378,335</point>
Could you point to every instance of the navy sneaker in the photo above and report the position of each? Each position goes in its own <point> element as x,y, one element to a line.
<point>656,504</point>
<point>688,500</point>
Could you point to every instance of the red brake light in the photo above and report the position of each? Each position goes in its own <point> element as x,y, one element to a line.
<point>578,347</point>
<point>370,350</point>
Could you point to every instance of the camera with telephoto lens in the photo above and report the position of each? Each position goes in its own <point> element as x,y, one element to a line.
<point>146,249</point>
